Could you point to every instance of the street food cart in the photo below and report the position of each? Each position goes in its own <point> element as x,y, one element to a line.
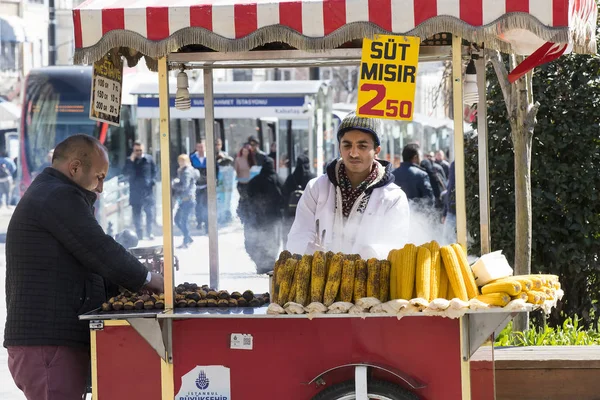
<point>243,353</point>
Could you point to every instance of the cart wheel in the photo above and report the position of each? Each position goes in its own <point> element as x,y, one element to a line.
<point>377,390</point>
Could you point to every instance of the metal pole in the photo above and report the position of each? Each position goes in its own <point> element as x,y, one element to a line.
<point>461,211</point>
<point>211,174</point>
<point>166,367</point>
<point>51,33</point>
<point>165,176</point>
<point>482,146</point>
<point>459,151</point>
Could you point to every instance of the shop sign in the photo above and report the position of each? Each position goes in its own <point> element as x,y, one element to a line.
<point>107,78</point>
<point>211,382</point>
<point>388,77</point>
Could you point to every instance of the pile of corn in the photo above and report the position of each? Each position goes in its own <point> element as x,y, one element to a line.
<point>428,278</point>
<point>533,289</point>
<point>328,278</point>
<point>430,272</point>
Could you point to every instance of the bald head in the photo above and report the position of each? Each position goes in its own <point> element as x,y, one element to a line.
<point>83,159</point>
<point>81,147</point>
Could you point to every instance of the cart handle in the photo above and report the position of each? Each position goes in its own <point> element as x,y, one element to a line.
<point>409,380</point>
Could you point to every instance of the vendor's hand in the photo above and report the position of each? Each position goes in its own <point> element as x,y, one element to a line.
<point>132,157</point>
<point>443,219</point>
<point>312,247</point>
<point>156,284</point>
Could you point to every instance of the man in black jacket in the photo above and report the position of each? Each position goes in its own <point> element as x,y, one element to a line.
<point>413,179</point>
<point>59,264</point>
<point>141,170</point>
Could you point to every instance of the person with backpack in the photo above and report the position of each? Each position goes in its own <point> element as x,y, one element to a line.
<point>292,190</point>
<point>7,170</point>
<point>437,180</point>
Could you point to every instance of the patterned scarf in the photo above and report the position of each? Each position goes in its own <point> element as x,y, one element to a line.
<point>349,194</point>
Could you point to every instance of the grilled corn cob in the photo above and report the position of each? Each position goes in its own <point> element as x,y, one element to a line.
<point>423,273</point>
<point>540,296</point>
<point>294,287</point>
<point>536,282</point>
<point>284,256</point>
<point>436,270</point>
<point>534,297</point>
<point>329,257</point>
<point>373,278</point>
<point>521,296</point>
<point>443,290</point>
<point>287,275</point>
<point>347,285</point>
<point>526,284</point>
<point>495,299</point>
<point>391,255</point>
<point>467,272</point>
<point>275,288</point>
<point>512,288</point>
<point>550,293</point>
<point>450,292</point>
<point>384,287</point>
<point>407,265</point>
<point>393,275</point>
<point>334,278</point>
<point>360,281</point>
<point>455,276</point>
<point>318,277</point>
<point>303,280</point>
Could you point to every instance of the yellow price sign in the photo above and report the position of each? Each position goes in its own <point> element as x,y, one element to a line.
<point>388,77</point>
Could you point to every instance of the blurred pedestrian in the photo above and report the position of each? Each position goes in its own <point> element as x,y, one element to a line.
<point>61,264</point>
<point>45,164</point>
<point>184,190</point>
<point>243,162</point>
<point>440,159</point>
<point>223,159</point>
<point>262,222</point>
<point>273,152</point>
<point>141,170</point>
<point>413,179</point>
<point>437,180</point>
<point>7,171</point>
<point>259,155</point>
<point>449,214</point>
<point>198,160</point>
<point>293,188</point>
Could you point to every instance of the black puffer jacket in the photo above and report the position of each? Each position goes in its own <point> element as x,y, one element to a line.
<point>299,178</point>
<point>265,198</point>
<point>415,183</point>
<point>142,175</point>
<point>58,264</point>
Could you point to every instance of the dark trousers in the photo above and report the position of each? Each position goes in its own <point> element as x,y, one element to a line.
<point>202,207</point>
<point>136,211</point>
<point>182,217</point>
<point>49,372</point>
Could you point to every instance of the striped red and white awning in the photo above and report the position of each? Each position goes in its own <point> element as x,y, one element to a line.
<point>157,27</point>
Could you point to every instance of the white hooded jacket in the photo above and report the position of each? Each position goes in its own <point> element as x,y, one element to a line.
<point>379,228</point>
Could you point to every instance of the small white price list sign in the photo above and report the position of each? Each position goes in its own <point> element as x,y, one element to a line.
<point>107,95</point>
<point>105,101</point>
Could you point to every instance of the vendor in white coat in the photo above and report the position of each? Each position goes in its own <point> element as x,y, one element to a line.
<point>357,204</point>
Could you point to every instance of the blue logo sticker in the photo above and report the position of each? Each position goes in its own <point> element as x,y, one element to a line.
<point>202,381</point>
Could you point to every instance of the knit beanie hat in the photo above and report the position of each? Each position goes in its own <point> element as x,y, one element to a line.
<point>367,125</point>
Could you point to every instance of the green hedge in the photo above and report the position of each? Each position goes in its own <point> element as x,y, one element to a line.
<point>565,181</point>
<point>570,333</point>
